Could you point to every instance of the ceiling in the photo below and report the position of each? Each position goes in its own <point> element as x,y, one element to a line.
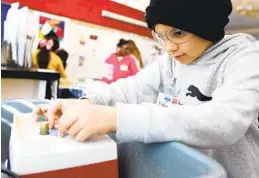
<point>237,22</point>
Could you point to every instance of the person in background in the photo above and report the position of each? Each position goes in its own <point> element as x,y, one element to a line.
<point>120,64</point>
<point>46,58</point>
<point>63,54</point>
<point>120,46</point>
<point>65,85</point>
<point>135,53</point>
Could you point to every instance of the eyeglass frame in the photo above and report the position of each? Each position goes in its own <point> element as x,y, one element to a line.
<point>156,36</point>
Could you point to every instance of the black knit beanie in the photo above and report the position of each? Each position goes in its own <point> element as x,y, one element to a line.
<point>204,18</point>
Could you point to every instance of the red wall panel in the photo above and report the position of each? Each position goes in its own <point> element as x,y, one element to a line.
<point>89,11</point>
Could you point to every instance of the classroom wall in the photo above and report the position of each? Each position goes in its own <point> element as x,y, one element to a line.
<point>90,11</point>
<point>94,52</point>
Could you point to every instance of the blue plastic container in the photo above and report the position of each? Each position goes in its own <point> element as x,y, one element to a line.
<point>166,160</point>
<point>137,160</point>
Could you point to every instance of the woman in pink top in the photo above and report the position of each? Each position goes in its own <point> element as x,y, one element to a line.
<point>120,64</point>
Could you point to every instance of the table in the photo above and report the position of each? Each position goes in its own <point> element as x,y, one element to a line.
<point>27,83</point>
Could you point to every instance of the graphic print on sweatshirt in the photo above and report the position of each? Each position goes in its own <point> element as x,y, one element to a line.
<point>195,92</point>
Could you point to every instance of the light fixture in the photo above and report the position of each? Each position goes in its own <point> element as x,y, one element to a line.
<point>247,9</point>
<point>123,18</point>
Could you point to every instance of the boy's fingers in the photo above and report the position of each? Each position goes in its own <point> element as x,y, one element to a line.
<point>82,136</point>
<point>51,123</point>
<point>55,122</point>
<point>36,114</point>
<point>75,129</point>
<point>56,125</point>
<point>38,111</point>
<point>68,121</point>
<point>53,113</point>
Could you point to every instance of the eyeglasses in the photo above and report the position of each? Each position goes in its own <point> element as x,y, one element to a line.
<point>176,36</point>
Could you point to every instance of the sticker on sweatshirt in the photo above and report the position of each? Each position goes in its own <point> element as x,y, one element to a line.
<point>166,100</point>
<point>123,67</point>
<point>168,95</point>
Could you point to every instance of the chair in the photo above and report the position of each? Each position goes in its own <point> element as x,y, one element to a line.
<point>137,160</point>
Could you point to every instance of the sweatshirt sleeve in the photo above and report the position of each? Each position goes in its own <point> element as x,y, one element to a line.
<point>214,124</point>
<point>135,89</point>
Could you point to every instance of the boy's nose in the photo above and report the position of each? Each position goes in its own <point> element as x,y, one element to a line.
<point>169,46</point>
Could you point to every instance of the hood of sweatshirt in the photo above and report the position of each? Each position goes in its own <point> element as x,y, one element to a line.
<point>239,42</point>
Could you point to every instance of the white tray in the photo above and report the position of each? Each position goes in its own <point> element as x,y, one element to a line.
<point>31,152</point>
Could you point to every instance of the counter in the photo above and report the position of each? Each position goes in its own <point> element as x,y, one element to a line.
<point>27,83</point>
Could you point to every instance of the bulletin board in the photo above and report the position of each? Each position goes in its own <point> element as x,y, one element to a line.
<point>44,23</point>
<point>53,25</point>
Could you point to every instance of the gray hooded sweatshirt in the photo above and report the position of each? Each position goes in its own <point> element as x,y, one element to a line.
<point>216,104</point>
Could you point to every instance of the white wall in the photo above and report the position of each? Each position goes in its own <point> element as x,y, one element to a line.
<point>95,52</point>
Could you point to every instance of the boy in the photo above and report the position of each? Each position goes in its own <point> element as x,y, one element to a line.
<point>206,94</point>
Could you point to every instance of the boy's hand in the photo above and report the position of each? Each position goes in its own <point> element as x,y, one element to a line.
<point>52,112</point>
<point>84,121</point>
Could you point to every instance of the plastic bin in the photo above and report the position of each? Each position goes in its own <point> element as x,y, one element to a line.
<point>138,160</point>
<point>165,160</point>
